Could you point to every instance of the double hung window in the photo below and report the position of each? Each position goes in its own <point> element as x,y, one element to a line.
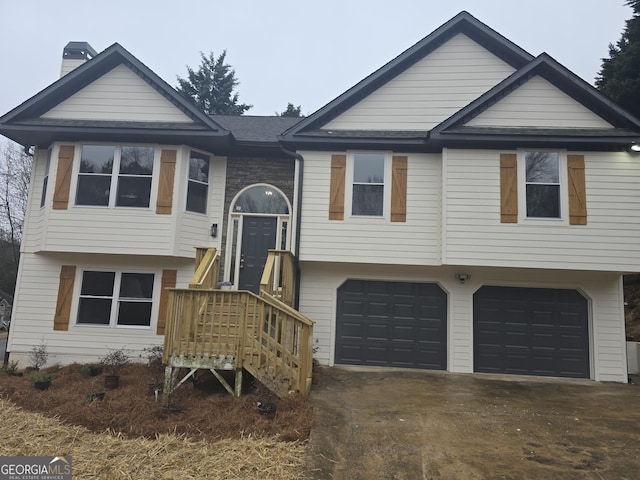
<point>368,186</point>
<point>115,299</point>
<point>115,176</point>
<point>542,184</point>
<point>198,184</point>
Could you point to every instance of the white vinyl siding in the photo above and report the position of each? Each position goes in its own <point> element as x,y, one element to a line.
<point>35,304</point>
<point>86,229</point>
<point>373,240</point>
<point>473,234</point>
<point>119,94</point>
<point>429,91</point>
<point>538,103</point>
<point>320,282</point>
<point>194,232</point>
<point>36,216</point>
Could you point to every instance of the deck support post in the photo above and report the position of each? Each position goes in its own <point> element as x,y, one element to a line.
<point>170,377</point>
<point>238,382</point>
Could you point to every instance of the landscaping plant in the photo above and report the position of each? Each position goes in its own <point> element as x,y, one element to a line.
<point>38,355</point>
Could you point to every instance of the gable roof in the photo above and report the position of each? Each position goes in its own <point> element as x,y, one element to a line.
<point>464,23</point>
<point>454,129</point>
<point>24,124</point>
<point>453,132</point>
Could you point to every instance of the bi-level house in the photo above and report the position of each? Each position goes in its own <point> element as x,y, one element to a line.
<point>467,207</point>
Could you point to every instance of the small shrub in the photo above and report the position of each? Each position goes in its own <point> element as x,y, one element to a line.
<point>91,369</point>
<point>38,355</point>
<point>11,368</point>
<point>154,355</point>
<point>114,360</point>
<point>93,394</point>
<point>41,381</point>
<point>154,361</point>
<point>40,377</point>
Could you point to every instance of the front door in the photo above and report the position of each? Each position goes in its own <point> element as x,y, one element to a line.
<point>258,237</point>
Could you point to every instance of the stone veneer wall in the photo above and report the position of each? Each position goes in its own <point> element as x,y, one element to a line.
<point>245,171</point>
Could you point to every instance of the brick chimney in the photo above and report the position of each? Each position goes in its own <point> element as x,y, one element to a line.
<point>74,55</point>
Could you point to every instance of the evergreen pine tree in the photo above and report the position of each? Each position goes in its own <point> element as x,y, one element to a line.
<point>211,87</point>
<point>291,111</point>
<point>619,77</point>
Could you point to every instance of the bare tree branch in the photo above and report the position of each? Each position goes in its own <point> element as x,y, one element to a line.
<point>15,174</point>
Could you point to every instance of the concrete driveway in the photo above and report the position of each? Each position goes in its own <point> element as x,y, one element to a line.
<point>400,424</point>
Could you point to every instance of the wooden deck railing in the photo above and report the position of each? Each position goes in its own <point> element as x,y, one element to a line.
<point>204,323</point>
<point>207,268</point>
<point>280,347</point>
<point>278,278</point>
<point>237,329</point>
<point>222,329</point>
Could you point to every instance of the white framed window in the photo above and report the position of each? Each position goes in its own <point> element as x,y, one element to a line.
<point>543,178</point>
<point>116,299</point>
<point>368,176</point>
<point>111,175</point>
<point>198,182</point>
<point>45,181</point>
<point>542,184</point>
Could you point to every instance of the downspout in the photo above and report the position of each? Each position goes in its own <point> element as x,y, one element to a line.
<point>296,253</point>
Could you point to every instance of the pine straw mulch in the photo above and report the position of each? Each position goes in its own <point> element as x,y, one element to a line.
<point>129,434</point>
<point>110,455</point>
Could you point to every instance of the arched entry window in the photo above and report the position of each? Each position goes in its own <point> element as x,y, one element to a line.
<point>258,221</point>
<point>261,199</point>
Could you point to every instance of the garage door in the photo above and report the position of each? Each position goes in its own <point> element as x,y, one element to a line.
<point>531,331</point>
<point>396,324</point>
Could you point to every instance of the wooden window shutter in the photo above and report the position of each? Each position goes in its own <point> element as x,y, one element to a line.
<point>336,196</point>
<point>399,189</point>
<point>65,295</point>
<point>577,190</point>
<point>168,281</point>
<point>63,177</point>
<point>508,188</point>
<point>165,184</point>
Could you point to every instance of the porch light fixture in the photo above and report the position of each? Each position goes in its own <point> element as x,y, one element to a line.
<point>462,277</point>
<point>635,147</point>
<point>213,231</point>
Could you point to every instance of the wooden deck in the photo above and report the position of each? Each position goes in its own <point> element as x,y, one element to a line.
<point>215,329</point>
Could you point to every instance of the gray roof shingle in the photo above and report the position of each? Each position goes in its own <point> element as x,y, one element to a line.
<point>249,128</point>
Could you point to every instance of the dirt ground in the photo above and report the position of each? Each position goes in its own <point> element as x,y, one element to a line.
<point>206,410</point>
<point>404,425</point>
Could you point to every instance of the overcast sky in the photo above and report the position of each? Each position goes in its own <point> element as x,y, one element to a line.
<point>299,51</point>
